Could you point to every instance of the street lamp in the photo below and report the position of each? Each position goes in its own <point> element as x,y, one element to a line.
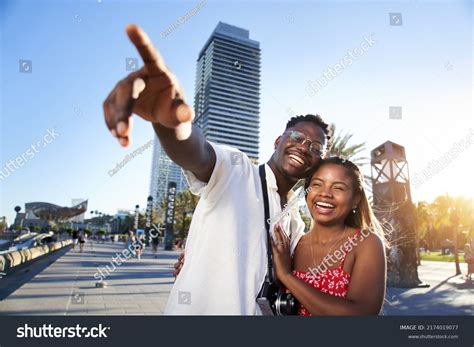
<point>135,226</point>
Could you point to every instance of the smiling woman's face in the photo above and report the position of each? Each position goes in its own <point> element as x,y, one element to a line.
<point>332,196</point>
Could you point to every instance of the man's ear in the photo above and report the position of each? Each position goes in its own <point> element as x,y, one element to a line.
<point>277,141</point>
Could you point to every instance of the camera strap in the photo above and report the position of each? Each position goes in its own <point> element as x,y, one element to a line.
<point>263,181</point>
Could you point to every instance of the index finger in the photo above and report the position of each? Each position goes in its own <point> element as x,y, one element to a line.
<point>153,61</point>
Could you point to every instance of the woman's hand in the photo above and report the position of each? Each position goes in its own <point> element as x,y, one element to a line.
<point>281,254</point>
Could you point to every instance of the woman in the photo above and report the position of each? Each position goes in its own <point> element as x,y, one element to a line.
<point>82,240</point>
<point>338,268</point>
<point>129,241</point>
<point>139,245</point>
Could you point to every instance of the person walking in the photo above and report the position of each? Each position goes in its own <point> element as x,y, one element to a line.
<point>82,240</point>
<point>75,237</point>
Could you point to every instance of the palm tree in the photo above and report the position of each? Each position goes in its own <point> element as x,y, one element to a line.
<point>3,224</point>
<point>440,207</point>
<point>447,213</point>
<point>340,147</point>
<point>185,204</point>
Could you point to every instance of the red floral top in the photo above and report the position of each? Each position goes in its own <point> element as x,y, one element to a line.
<point>332,281</point>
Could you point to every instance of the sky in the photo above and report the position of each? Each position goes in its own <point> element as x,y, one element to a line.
<point>72,53</point>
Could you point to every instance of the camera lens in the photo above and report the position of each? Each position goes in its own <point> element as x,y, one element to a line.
<point>286,304</point>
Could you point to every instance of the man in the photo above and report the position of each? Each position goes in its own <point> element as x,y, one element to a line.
<point>75,237</point>
<point>226,257</point>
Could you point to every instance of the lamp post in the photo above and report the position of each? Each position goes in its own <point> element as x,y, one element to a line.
<point>137,213</point>
<point>148,219</point>
<point>169,217</point>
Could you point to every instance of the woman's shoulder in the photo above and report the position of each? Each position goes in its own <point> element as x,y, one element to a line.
<point>369,241</point>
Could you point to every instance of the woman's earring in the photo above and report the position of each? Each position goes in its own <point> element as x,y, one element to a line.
<point>354,210</point>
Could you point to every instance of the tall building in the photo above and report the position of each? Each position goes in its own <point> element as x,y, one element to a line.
<point>163,171</point>
<point>227,91</point>
<point>226,103</point>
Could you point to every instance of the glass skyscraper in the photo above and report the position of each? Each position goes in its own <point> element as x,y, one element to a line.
<point>227,93</point>
<point>226,103</point>
<point>163,171</point>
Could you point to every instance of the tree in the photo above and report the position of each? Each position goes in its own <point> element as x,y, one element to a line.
<point>185,204</point>
<point>340,147</point>
<point>441,213</point>
<point>3,224</point>
<point>443,219</point>
<point>126,224</point>
<point>422,218</point>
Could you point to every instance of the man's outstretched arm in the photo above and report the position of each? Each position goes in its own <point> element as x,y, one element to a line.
<point>154,94</point>
<point>194,154</point>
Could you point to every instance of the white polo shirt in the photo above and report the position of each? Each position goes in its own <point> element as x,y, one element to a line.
<point>226,249</point>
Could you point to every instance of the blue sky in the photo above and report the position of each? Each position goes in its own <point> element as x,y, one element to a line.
<point>78,50</point>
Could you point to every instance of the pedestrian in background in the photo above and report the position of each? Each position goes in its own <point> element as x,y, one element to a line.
<point>75,236</point>
<point>82,240</point>
<point>469,259</point>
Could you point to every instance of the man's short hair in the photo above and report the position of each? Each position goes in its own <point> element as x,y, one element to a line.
<point>316,120</point>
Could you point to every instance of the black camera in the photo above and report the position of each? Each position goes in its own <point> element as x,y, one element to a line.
<point>273,300</point>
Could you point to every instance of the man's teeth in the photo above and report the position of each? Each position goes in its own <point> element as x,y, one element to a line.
<point>296,158</point>
<point>325,204</point>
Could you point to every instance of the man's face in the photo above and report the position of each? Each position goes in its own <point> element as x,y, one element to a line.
<point>295,160</point>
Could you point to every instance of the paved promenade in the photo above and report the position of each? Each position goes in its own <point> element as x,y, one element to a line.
<point>67,286</point>
<point>447,294</point>
<point>64,284</point>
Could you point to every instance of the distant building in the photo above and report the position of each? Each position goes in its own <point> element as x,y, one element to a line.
<point>227,92</point>
<point>226,103</point>
<point>38,214</point>
<point>80,218</point>
<point>163,171</point>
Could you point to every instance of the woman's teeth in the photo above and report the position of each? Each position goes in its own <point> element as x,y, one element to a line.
<point>324,204</point>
